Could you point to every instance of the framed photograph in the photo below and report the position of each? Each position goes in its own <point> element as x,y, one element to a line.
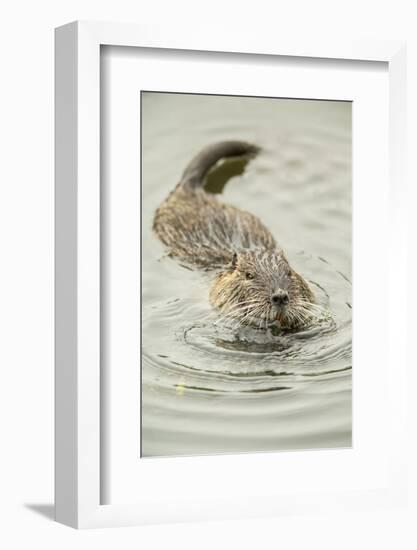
<point>228,313</point>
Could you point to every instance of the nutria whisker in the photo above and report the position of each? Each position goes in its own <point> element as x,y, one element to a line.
<point>237,318</point>
<point>242,306</point>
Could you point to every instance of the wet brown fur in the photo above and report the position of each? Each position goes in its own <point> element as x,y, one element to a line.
<point>203,233</point>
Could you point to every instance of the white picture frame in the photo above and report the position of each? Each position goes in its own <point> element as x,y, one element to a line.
<point>78,449</point>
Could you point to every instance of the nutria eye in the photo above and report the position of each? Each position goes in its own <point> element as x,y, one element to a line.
<point>249,275</point>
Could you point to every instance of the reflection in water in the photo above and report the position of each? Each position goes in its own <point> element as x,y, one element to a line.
<point>211,387</point>
<point>220,174</point>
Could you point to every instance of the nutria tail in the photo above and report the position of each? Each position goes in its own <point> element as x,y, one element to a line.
<point>197,169</point>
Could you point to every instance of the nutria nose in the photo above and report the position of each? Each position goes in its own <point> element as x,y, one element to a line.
<point>280,298</point>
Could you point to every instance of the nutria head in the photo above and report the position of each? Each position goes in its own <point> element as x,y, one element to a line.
<point>260,288</point>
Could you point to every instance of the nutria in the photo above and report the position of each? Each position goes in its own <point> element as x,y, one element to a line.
<point>253,282</point>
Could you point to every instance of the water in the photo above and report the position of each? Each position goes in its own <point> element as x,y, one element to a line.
<point>209,388</point>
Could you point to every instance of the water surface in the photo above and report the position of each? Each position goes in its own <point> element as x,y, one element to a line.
<point>208,387</point>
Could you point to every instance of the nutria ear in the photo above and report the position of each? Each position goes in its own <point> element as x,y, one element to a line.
<point>233,263</point>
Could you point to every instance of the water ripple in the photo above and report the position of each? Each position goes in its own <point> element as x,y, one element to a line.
<point>207,387</point>
<point>206,357</point>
